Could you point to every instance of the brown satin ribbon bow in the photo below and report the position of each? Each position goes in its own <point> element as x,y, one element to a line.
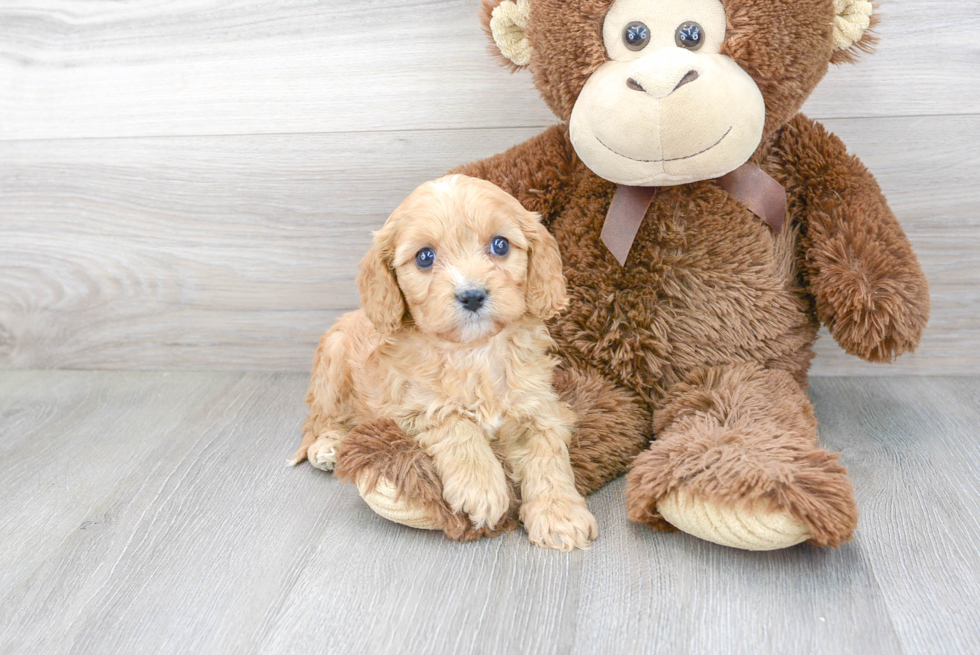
<point>752,186</point>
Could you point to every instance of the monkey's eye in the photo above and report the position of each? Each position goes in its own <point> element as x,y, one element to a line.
<point>425,257</point>
<point>636,35</point>
<point>689,35</point>
<point>499,246</point>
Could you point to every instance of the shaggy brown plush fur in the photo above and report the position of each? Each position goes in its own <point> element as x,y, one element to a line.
<point>709,326</point>
<point>613,426</point>
<point>868,287</point>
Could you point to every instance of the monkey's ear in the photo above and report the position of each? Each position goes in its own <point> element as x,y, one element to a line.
<point>506,23</point>
<point>853,25</point>
<point>381,298</point>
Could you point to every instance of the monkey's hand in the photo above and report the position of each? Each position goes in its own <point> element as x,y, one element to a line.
<point>869,288</point>
<point>874,300</point>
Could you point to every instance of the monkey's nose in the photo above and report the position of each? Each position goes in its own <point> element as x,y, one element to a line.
<point>689,77</point>
<point>636,86</point>
<point>472,299</point>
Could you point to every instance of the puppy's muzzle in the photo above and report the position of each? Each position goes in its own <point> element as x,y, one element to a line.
<point>472,299</point>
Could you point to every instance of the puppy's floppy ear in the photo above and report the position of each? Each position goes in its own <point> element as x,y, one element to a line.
<point>380,296</point>
<point>545,293</point>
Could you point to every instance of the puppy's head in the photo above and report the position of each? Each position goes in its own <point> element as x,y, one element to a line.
<point>463,259</point>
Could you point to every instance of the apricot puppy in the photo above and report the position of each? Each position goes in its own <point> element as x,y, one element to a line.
<point>451,344</point>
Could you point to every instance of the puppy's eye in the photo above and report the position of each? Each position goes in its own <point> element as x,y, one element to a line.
<point>499,246</point>
<point>425,257</point>
<point>636,35</point>
<point>689,35</point>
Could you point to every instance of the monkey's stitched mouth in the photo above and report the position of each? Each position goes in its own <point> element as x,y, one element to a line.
<point>659,161</point>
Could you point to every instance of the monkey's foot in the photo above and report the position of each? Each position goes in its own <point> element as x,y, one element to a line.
<point>757,526</point>
<point>736,462</point>
<point>384,499</point>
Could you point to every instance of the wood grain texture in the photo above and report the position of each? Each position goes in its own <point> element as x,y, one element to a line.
<point>237,252</point>
<point>674,593</point>
<point>912,451</point>
<point>199,253</point>
<point>96,68</point>
<point>45,429</point>
<point>152,513</point>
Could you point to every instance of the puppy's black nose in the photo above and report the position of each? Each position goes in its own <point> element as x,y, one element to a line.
<point>472,299</point>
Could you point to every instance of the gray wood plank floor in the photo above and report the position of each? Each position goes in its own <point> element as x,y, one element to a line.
<point>152,513</point>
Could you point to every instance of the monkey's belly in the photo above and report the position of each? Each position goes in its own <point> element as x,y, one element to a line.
<point>706,288</point>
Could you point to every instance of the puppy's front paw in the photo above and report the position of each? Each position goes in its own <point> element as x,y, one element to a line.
<point>484,495</point>
<point>323,453</point>
<point>561,523</point>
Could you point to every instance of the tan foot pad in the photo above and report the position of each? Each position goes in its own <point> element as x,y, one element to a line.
<point>752,528</point>
<point>382,500</point>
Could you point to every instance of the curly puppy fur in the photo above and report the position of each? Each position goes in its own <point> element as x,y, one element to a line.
<point>460,378</point>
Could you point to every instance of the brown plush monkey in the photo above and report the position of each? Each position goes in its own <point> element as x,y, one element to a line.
<point>707,228</point>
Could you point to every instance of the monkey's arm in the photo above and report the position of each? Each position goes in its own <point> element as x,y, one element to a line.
<point>855,258</point>
<point>535,172</point>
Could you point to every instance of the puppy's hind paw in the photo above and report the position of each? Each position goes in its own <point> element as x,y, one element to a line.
<point>323,453</point>
<point>562,525</point>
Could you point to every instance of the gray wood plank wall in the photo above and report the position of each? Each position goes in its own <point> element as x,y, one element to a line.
<point>190,185</point>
